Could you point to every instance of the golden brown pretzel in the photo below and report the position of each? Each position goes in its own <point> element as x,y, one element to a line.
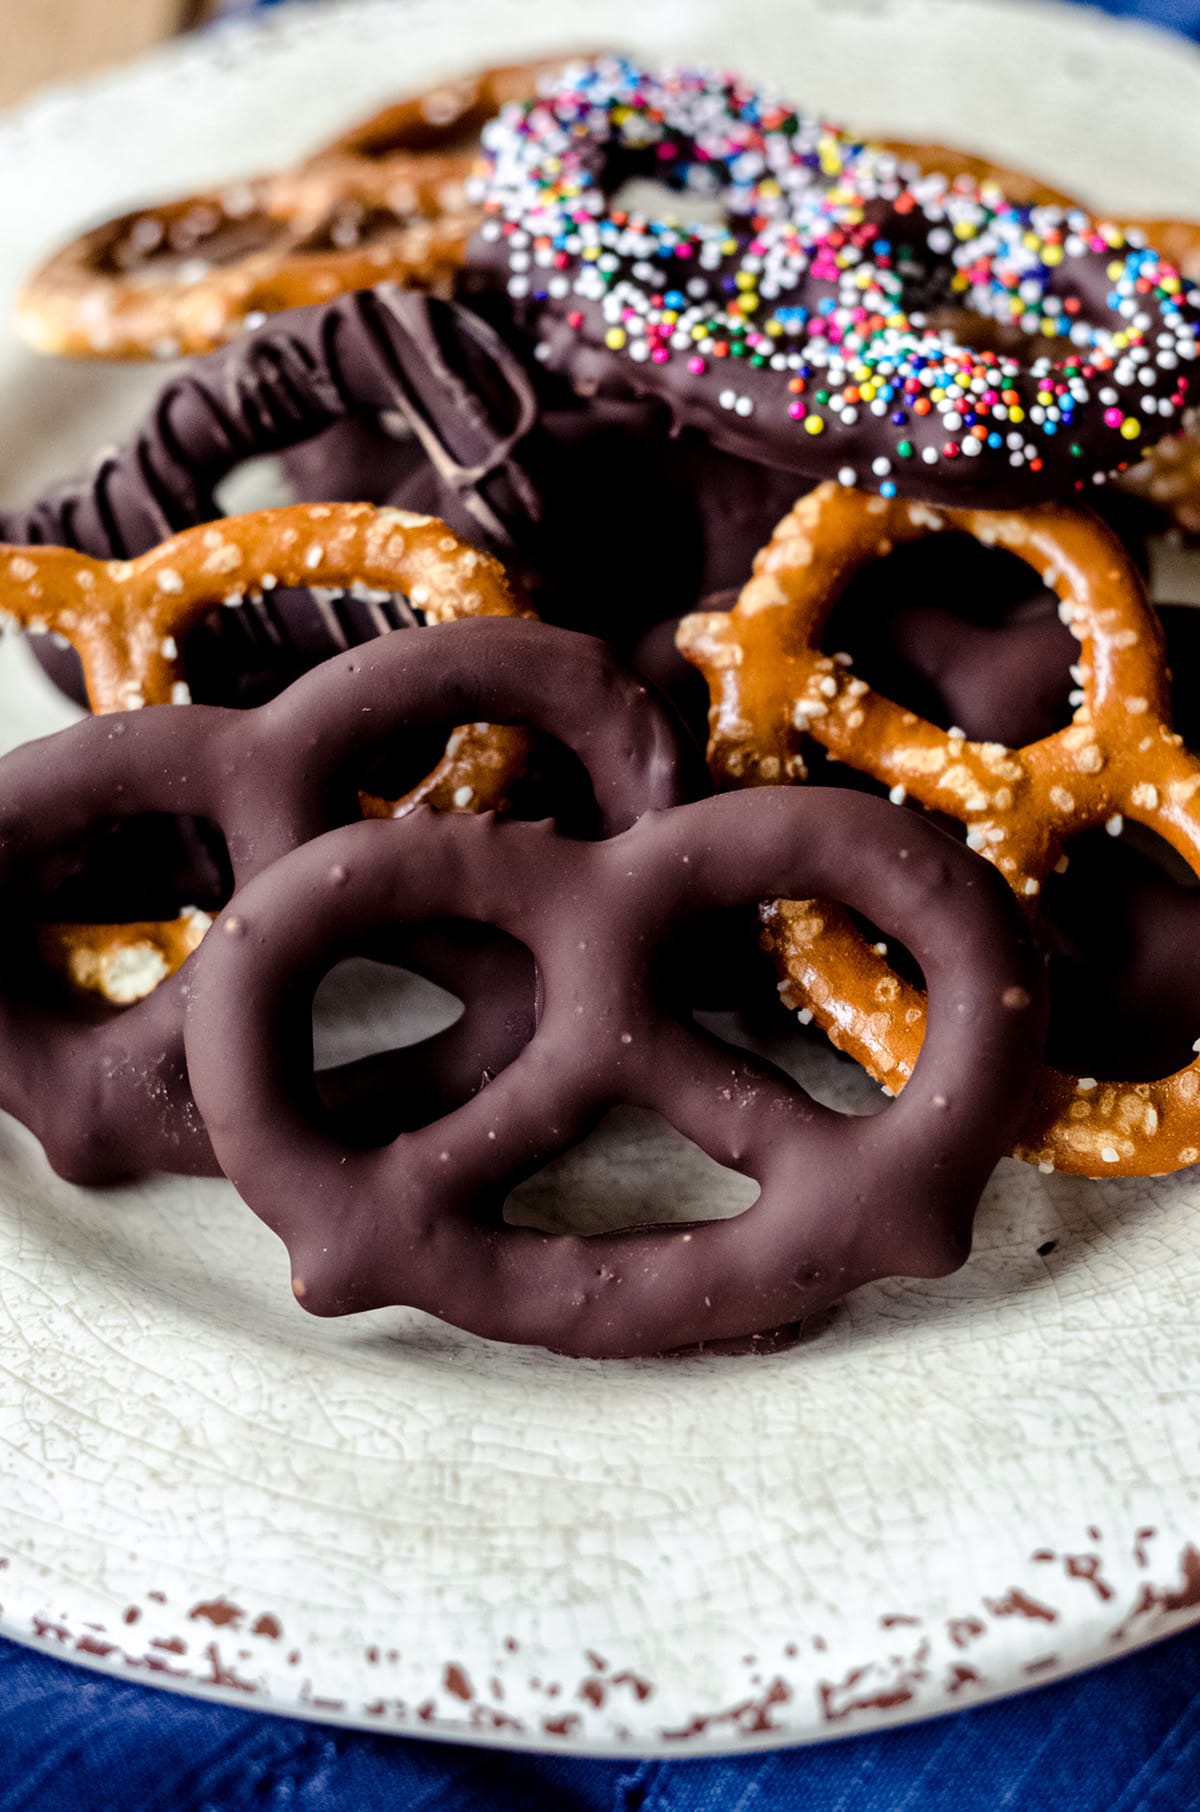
<point>383,201</point>
<point>127,621</point>
<point>771,685</point>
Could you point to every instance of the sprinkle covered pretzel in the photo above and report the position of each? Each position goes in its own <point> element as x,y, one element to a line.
<point>1169,476</point>
<point>771,686</point>
<point>825,321</point>
<point>383,201</point>
<point>1178,240</point>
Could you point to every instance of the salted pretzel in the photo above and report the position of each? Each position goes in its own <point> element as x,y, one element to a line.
<point>420,1221</point>
<point>384,201</point>
<point>771,686</point>
<point>108,1094</point>
<point>127,620</point>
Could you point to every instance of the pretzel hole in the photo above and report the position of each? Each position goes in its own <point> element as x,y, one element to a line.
<point>153,248</point>
<point>653,199</point>
<point>1122,931</point>
<point>446,122</point>
<point>395,1048</point>
<point>632,1170</point>
<point>350,225</point>
<point>117,910</point>
<point>554,783</point>
<point>146,866</point>
<point>363,1007</point>
<point>802,1052</point>
<point>961,634</point>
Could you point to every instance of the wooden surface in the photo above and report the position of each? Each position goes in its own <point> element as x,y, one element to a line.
<point>52,40</point>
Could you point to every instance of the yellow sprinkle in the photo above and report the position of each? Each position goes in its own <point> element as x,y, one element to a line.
<point>814,424</point>
<point>1016,415</point>
<point>1130,429</point>
<point>615,338</point>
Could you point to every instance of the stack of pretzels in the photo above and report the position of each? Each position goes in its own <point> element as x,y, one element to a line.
<point>750,615</point>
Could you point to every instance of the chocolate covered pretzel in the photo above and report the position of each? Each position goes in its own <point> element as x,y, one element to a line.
<point>108,1096</point>
<point>843,1199</point>
<point>800,327</point>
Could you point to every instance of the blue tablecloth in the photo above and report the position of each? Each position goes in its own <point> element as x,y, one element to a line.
<point>1125,1738</point>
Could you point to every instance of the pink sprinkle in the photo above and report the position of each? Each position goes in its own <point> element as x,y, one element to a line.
<point>796,410</point>
<point>575,319</point>
<point>1113,418</point>
<point>660,355</point>
<point>696,366</point>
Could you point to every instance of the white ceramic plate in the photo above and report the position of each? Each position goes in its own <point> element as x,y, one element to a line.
<point>950,1491</point>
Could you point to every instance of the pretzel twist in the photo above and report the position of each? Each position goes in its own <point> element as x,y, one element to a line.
<point>771,686</point>
<point>384,201</point>
<point>420,1221</point>
<point>127,621</point>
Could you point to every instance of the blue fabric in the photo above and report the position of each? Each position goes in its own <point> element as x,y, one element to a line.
<point>1123,1739</point>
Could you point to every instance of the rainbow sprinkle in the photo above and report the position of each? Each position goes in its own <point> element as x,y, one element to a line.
<point>825,301</point>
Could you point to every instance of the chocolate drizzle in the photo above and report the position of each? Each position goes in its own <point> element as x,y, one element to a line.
<point>435,365</point>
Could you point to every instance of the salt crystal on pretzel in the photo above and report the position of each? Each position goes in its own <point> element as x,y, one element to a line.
<point>771,685</point>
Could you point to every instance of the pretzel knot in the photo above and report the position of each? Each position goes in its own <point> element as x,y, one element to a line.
<point>128,620</point>
<point>420,1221</point>
<point>771,686</point>
<point>107,1093</point>
<point>800,328</point>
<point>385,200</point>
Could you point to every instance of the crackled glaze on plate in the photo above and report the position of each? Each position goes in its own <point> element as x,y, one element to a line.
<point>951,1490</point>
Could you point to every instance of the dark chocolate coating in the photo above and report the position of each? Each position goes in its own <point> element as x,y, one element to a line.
<point>843,1199</point>
<point>635,524</point>
<point>609,521</point>
<point>109,1098</point>
<point>1123,939</point>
